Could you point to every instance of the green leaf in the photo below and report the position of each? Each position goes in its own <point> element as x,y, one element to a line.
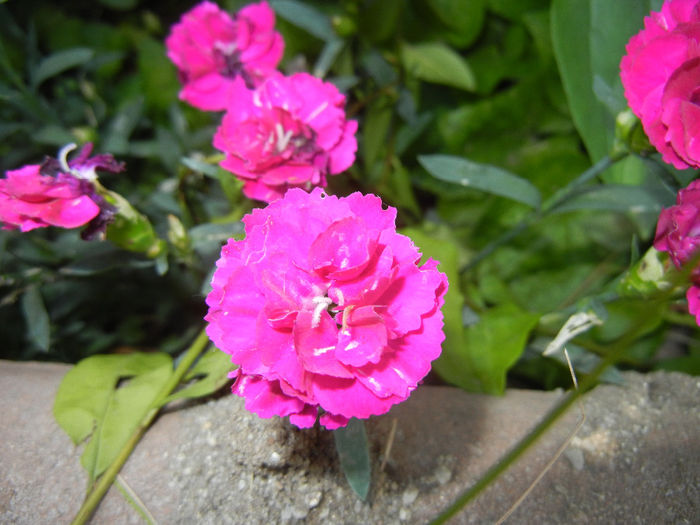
<point>464,19</point>
<point>612,25</point>
<point>483,177</point>
<point>353,451</point>
<point>306,17</point>
<point>36,318</point>
<point>200,166</point>
<point>59,62</point>
<point>439,64</point>
<point>571,25</point>
<point>491,346</point>
<point>614,197</point>
<point>96,401</point>
<point>157,75</point>
<point>207,375</point>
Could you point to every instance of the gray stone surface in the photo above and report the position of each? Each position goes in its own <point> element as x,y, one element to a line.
<point>635,460</point>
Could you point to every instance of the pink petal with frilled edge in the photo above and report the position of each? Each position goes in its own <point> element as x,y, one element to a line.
<point>315,339</point>
<point>693,296</point>
<point>349,398</point>
<point>363,338</point>
<point>343,250</point>
<point>370,284</point>
<point>411,295</point>
<point>407,361</point>
<point>265,398</point>
<point>343,153</point>
<point>306,418</point>
<point>333,421</point>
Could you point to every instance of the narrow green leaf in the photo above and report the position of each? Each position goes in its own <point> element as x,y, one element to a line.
<point>36,318</point>
<point>483,177</point>
<point>59,62</point>
<point>306,17</point>
<point>614,197</point>
<point>91,402</point>
<point>353,451</point>
<point>209,374</point>
<point>439,64</point>
<point>201,166</point>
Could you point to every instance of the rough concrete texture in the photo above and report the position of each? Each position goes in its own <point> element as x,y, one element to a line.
<point>635,460</point>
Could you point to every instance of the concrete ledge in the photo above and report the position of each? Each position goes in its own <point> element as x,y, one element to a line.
<point>636,459</point>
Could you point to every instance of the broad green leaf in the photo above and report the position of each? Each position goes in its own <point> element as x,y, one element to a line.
<point>60,62</point>
<point>208,374</point>
<point>353,451</point>
<point>614,197</point>
<point>483,177</point>
<point>104,397</point>
<point>378,19</point>
<point>36,318</point>
<point>439,64</point>
<point>515,9</point>
<point>571,25</point>
<point>491,346</point>
<point>306,17</point>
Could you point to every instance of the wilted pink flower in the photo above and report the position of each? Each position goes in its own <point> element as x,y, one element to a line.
<point>323,306</point>
<point>55,193</point>
<point>661,77</point>
<point>290,132</point>
<point>212,50</point>
<point>678,233</point>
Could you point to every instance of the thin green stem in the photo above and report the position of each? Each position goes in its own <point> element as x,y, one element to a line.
<point>102,486</point>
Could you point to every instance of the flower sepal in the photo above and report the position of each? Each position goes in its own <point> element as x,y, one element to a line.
<point>130,229</point>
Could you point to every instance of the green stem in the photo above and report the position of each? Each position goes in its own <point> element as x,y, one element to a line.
<point>615,353</point>
<point>100,489</point>
<point>550,205</point>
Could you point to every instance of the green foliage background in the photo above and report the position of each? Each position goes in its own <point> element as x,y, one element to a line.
<point>471,115</point>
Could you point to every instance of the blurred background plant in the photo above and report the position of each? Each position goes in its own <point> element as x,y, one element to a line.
<point>474,117</point>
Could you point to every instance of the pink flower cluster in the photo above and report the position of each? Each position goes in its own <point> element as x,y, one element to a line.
<point>290,132</point>
<point>55,193</point>
<point>212,51</point>
<point>661,77</point>
<point>678,233</point>
<point>325,309</point>
<point>278,132</point>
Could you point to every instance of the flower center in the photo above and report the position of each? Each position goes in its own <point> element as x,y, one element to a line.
<point>229,62</point>
<point>322,303</point>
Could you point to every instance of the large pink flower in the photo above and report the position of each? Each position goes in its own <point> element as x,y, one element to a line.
<point>56,192</point>
<point>212,50</point>
<point>678,233</point>
<point>661,77</point>
<point>323,306</point>
<point>290,132</point>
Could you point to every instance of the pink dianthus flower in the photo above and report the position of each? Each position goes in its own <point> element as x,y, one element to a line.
<point>57,192</point>
<point>661,77</point>
<point>678,233</point>
<point>290,132</point>
<point>324,308</point>
<point>212,51</point>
